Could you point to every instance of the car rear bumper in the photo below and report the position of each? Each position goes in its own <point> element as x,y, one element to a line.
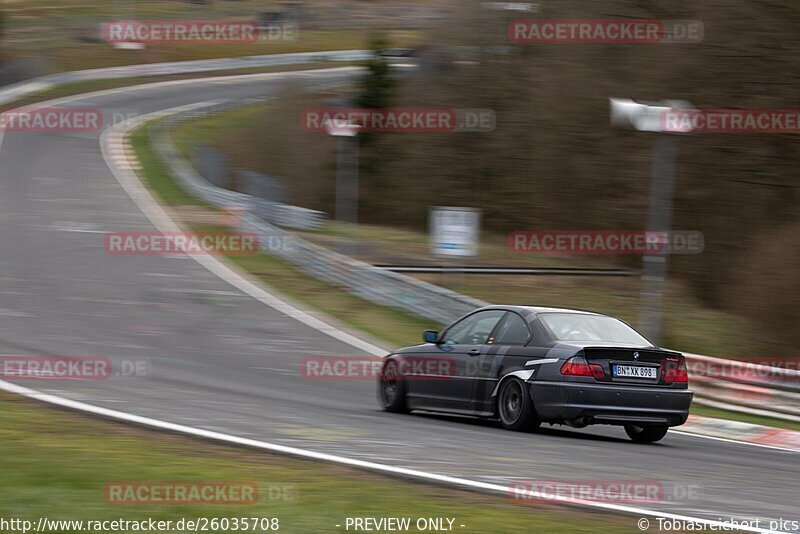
<point>610,404</point>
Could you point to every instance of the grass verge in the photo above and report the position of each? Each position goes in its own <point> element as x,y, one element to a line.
<point>60,475</point>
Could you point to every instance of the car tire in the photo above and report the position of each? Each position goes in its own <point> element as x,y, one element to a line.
<point>515,407</point>
<point>646,434</point>
<point>392,389</point>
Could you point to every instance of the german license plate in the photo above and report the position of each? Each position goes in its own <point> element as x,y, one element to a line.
<point>634,371</point>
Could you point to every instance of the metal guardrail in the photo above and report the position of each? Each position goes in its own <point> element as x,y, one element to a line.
<point>283,215</point>
<point>746,385</point>
<point>287,216</point>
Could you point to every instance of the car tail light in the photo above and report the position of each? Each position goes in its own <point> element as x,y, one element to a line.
<point>577,366</point>
<point>675,371</point>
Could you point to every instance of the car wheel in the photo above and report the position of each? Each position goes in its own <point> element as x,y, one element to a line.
<point>515,407</point>
<point>646,434</point>
<point>392,389</point>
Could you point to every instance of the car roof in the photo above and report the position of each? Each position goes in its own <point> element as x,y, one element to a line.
<point>538,309</point>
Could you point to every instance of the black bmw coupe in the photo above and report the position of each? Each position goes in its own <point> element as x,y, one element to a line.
<point>529,365</point>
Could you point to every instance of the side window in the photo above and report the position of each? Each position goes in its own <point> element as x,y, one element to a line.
<point>475,329</point>
<point>513,331</point>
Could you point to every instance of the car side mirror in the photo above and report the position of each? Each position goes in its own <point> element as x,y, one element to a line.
<point>430,336</point>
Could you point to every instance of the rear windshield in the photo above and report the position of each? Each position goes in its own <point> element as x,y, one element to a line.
<point>584,327</point>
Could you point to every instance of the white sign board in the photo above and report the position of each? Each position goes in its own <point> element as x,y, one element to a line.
<point>454,231</point>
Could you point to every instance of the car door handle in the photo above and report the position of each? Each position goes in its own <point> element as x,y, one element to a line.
<point>474,352</point>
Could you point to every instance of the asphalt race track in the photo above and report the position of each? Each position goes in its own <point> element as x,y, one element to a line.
<point>222,361</point>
